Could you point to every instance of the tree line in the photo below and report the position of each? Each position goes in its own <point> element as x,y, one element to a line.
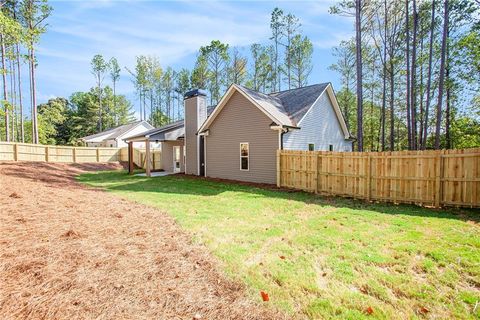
<point>283,62</point>
<point>21,25</point>
<point>410,76</point>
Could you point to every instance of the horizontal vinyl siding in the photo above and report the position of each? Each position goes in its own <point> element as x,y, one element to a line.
<point>167,155</point>
<point>319,126</point>
<point>240,121</point>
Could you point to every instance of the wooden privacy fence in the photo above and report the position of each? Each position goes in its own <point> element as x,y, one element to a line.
<point>11,151</point>
<point>430,178</point>
<point>139,158</point>
<point>49,153</point>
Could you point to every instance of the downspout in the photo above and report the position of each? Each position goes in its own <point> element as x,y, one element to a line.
<point>281,137</point>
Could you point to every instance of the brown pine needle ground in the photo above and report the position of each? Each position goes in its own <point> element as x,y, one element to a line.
<point>69,252</point>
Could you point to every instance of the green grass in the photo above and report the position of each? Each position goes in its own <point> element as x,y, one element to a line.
<point>341,256</point>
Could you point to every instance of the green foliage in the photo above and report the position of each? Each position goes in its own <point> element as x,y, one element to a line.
<point>99,66</point>
<point>64,122</point>
<point>301,51</point>
<point>237,69</point>
<point>11,30</point>
<point>51,116</point>
<point>466,132</point>
<point>158,117</point>
<point>262,69</point>
<point>33,14</point>
<point>114,68</point>
<point>216,57</point>
<point>199,76</point>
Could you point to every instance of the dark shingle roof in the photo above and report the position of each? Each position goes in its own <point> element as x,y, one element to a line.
<point>297,102</point>
<point>287,106</point>
<point>165,128</point>
<point>115,132</point>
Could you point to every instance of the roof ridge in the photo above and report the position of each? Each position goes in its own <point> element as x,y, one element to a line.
<point>310,85</point>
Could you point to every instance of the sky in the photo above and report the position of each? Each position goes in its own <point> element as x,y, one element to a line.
<point>171,30</point>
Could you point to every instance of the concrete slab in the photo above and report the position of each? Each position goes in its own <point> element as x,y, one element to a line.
<point>155,174</point>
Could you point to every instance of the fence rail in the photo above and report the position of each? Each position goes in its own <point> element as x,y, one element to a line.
<point>430,178</point>
<point>11,151</point>
<point>139,158</point>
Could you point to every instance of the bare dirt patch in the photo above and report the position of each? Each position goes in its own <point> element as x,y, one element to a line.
<point>68,252</point>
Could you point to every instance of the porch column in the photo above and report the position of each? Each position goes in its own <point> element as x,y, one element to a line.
<point>130,158</point>
<point>147,157</point>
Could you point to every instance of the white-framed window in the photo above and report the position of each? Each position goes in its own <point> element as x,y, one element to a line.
<point>244,156</point>
<point>330,147</point>
<point>311,147</point>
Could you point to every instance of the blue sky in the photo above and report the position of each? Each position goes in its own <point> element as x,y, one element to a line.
<point>171,30</point>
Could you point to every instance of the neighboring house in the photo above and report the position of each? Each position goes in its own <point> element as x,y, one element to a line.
<point>114,137</point>
<point>238,139</point>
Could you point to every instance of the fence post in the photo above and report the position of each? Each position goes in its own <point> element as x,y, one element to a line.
<point>368,177</point>
<point>98,154</point>
<point>438,179</point>
<point>47,154</point>
<point>15,151</point>
<point>279,173</point>
<point>74,154</point>
<point>315,177</point>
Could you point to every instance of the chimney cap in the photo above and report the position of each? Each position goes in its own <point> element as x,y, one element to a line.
<point>194,93</point>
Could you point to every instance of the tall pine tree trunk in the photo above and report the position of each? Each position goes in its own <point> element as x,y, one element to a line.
<point>392,108</point>
<point>20,98</point>
<point>442,76</point>
<point>100,111</point>
<point>34,97</point>
<point>115,104</point>
<point>5,95</point>
<point>429,78</point>
<point>13,97</point>
<point>407,32</point>
<point>422,93</point>
<point>384,85</point>
<point>414,78</point>
<point>358,29</point>
<point>448,98</point>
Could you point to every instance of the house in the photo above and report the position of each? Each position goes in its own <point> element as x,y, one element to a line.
<point>114,137</point>
<point>238,139</point>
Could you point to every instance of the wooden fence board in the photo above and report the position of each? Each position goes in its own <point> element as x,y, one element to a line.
<point>430,178</point>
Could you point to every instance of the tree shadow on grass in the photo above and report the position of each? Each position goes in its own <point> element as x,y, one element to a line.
<point>206,187</point>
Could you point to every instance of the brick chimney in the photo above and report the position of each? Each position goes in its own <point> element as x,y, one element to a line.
<point>195,102</point>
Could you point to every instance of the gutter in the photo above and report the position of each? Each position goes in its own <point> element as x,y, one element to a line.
<point>283,129</point>
<point>281,137</point>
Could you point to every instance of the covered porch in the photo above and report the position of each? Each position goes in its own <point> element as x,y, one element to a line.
<point>170,137</point>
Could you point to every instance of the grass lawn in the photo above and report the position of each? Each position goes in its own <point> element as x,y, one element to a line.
<point>321,257</point>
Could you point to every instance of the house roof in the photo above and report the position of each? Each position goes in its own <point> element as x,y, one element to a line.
<point>285,108</point>
<point>115,132</point>
<point>271,104</point>
<point>296,102</point>
<point>157,133</point>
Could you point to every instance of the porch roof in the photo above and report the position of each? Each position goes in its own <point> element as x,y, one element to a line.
<point>170,132</point>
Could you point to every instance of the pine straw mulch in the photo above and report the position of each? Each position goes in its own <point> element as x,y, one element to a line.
<point>71,252</point>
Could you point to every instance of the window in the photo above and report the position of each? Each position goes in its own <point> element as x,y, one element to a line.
<point>244,156</point>
<point>330,147</point>
<point>311,147</point>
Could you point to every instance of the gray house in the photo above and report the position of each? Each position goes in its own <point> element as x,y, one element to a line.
<point>238,138</point>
